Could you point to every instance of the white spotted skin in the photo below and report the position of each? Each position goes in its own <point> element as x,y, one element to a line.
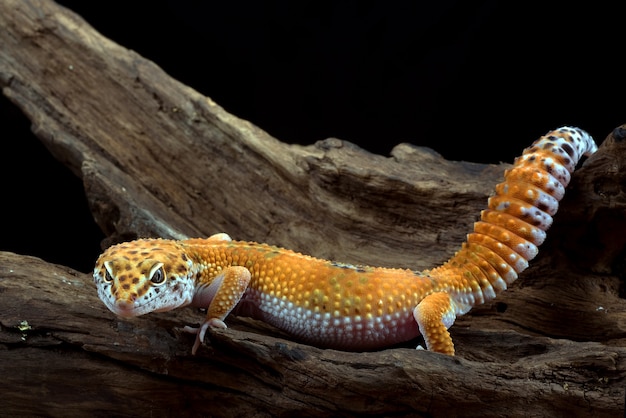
<point>329,329</point>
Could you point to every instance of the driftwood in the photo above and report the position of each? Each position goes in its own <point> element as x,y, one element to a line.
<point>159,159</point>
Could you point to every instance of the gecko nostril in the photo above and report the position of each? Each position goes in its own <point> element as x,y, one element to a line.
<point>123,304</point>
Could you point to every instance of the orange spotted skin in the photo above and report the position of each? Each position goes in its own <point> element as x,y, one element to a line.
<point>342,306</point>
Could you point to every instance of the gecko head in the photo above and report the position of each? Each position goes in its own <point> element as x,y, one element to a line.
<point>142,276</point>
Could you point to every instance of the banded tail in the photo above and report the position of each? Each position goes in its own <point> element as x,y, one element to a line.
<point>514,225</point>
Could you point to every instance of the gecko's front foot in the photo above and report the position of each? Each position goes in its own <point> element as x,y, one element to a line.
<point>225,292</point>
<point>201,331</point>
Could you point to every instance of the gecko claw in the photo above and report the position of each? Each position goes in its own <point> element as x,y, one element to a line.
<point>201,331</point>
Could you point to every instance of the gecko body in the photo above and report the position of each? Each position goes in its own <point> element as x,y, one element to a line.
<point>337,305</point>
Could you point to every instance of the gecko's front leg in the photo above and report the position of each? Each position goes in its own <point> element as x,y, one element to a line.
<point>222,295</point>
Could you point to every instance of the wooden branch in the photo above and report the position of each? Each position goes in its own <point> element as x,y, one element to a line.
<point>58,337</point>
<point>159,159</point>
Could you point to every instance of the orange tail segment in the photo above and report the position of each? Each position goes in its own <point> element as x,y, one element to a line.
<point>514,225</point>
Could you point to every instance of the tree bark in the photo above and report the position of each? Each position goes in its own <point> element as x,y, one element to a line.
<point>159,159</point>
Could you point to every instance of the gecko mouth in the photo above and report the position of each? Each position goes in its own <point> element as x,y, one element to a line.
<point>129,304</point>
<point>129,308</point>
<point>126,308</point>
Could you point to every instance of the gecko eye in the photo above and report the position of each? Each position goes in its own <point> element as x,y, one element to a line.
<point>108,278</point>
<point>158,276</point>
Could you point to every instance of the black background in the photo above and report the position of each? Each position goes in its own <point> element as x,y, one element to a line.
<point>476,81</point>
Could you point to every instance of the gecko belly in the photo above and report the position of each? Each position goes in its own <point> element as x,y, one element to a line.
<point>331,329</point>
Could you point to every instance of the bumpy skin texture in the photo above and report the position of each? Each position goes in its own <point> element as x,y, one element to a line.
<point>342,306</point>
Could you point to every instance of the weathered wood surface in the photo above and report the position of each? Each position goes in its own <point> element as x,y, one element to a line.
<point>158,158</point>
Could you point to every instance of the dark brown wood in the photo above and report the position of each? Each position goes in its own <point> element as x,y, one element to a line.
<point>159,159</point>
